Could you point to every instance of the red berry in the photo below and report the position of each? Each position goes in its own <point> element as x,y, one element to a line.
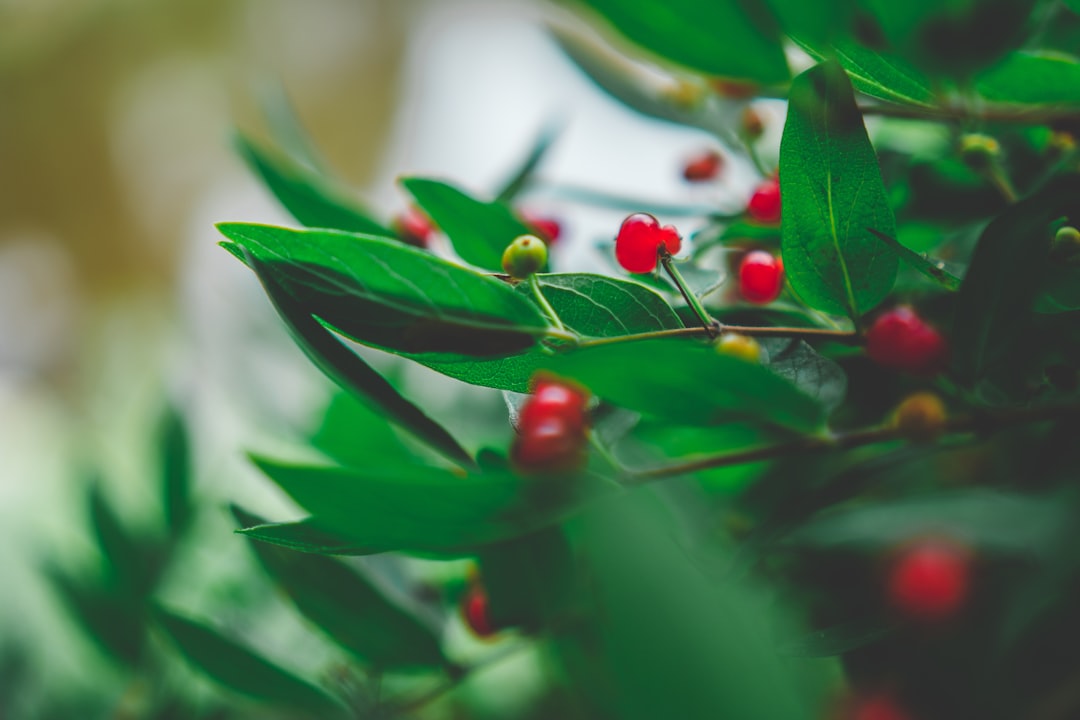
<point>639,241</point>
<point>930,580</point>
<point>414,227</point>
<point>552,429</point>
<point>901,340</point>
<point>878,707</point>
<point>553,398</point>
<point>474,610</point>
<point>547,228</point>
<point>703,167</point>
<point>761,277</point>
<point>764,205</point>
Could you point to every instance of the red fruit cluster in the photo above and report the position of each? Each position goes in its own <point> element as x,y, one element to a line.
<point>639,241</point>
<point>703,167</point>
<point>552,427</point>
<point>547,228</point>
<point>474,611</point>
<point>901,340</point>
<point>764,205</point>
<point>414,227</point>
<point>930,580</point>
<point>761,277</point>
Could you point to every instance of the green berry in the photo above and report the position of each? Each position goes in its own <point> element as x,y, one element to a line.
<point>740,346</point>
<point>978,150</point>
<point>525,256</point>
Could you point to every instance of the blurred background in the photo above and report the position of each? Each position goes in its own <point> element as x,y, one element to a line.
<point>116,159</point>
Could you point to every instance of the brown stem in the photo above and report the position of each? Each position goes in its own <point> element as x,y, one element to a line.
<point>841,336</point>
<point>982,423</point>
<point>1040,116</point>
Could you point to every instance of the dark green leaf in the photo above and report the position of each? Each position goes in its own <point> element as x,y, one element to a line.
<point>879,76</point>
<point>240,669</point>
<point>811,372</point>
<point>524,174</point>
<point>839,639</point>
<point>1060,289</point>
<point>818,22</point>
<point>527,579</point>
<point>1009,263</point>
<point>305,195</point>
<point>351,372</point>
<point>305,536</point>
<point>116,624</point>
<point>987,519</point>
<point>832,192</point>
<point>127,569</point>
<point>1034,79</point>
<point>688,382</point>
<point>479,231</point>
<point>722,37</point>
<point>349,608</point>
<point>382,293</point>
<point>593,305</point>
<point>175,473</point>
<point>355,433</point>
<point>931,269</point>
<point>427,509</point>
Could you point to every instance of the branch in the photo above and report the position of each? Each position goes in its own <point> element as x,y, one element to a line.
<point>841,336</point>
<point>1000,113</point>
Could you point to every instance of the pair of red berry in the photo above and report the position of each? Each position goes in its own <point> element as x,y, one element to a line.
<point>415,228</point>
<point>552,428</point>
<point>900,339</point>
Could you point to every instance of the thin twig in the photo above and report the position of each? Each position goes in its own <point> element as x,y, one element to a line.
<point>797,333</point>
<point>676,277</point>
<point>1007,114</point>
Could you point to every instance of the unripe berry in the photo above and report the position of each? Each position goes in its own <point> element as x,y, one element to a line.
<point>978,150</point>
<point>474,611</point>
<point>930,580</point>
<point>1066,245</point>
<point>740,346</point>
<point>920,417</point>
<point>761,277</point>
<point>413,227</point>
<point>639,241</point>
<point>733,89</point>
<point>552,429</point>
<point>547,228</point>
<point>525,256</point>
<point>703,167</point>
<point>764,204</point>
<point>901,340</point>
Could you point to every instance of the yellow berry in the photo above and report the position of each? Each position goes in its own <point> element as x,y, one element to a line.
<point>740,346</point>
<point>920,417</point>
<point>979,150</point>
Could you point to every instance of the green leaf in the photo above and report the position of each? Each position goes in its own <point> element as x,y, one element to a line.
<point>379,292</point>
<point>175,474</point>
<point>350,371</point>
<point>306,536</point>
<point>479,231</point>
<point>806,369</point>
<point>832,192</point>
<point>1007,268</point>
<point>880,76</point>
<point>592,305</point>
<point>839,639</point>
<point>116,624</point>
<point>305,195</point>
<point>527,579</point>
<point>689,383</point>
<point>524,174</point>
<point>1033,79</point>
<point>816,21</point>
<point>240,669</point>
<point>128,571</point>
<point>922,263</point>
<point>988,519</point>
<point>353,432</point>
<point>425,509</point>
<point>1060,290</point>
<point>722,37</point>
<point>349,608</point>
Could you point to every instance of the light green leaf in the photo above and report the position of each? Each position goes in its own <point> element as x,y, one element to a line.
<point>880,76</point>
<point>1033,79</point>
<point>832,195</point>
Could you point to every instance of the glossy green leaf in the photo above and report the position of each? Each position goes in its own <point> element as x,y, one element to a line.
<point>349,370</point>
<point>175,456</point>
<point>880,76</point>
<point>426,509</point>
<point>1033,79</point>
<point>351,610</point>
<point>689,383</point>
<point>1003,280</point>
<point>931,269</point>
<point>805,368</point>
<point>832,195</point>
<point>479,231</point>
<point>673,441</point>
<point>238,668</point>
<point>1060,289</point>
<point>722,37</point>
<point>382,293</point>
<point>305,536</point>
<point>988,519</point>
<point>305,195</point>
<point>593,305</point>
<point>355,433</point>
<point>524,174</point>
<point>818,22</point>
